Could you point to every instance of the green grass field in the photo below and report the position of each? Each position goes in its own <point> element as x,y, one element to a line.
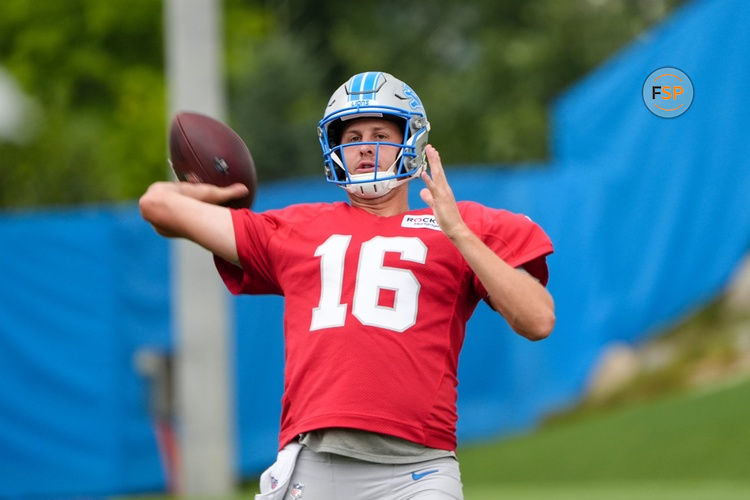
<point>613,491</point>
<point>688,446</point>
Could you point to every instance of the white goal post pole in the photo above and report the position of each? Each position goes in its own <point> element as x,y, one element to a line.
<point>200,304</point>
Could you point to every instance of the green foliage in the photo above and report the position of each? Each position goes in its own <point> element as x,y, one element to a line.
<point>95,71</point>
<point>275,106</point>
<point>487,71</point>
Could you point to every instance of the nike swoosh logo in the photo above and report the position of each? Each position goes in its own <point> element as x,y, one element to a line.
<point>419,475</point>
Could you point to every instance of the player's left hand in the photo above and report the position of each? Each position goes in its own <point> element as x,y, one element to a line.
<point>439,196</point>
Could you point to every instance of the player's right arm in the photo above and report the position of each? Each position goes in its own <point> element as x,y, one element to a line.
<point>192,211</point>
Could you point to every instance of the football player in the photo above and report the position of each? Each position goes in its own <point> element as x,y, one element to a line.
<point>377,297</point>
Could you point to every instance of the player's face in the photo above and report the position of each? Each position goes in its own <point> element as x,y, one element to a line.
<point>360,158</point>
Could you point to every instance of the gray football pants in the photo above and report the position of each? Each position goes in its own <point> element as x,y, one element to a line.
<point>325,476</point>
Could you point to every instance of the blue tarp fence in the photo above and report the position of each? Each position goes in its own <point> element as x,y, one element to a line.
<point>649,217</point>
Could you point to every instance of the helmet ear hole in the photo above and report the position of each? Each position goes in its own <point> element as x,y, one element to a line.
<point>416,123</point>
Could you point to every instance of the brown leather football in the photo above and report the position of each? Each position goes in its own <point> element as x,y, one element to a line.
<point>203,149</point>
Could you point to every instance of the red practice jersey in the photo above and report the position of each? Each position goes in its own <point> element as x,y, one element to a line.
<point>375,310</point>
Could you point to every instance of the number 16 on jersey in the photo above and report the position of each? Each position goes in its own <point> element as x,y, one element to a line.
<point>371,277</point>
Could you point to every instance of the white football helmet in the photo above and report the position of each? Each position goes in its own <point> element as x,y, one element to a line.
<point>380,95</point>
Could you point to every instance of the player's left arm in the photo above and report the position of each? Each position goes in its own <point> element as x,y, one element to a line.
<point>526,305</point>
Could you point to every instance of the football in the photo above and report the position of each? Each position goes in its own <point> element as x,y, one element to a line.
<point>203,149</point>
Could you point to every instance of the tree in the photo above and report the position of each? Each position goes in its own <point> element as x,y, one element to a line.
<point>96,72</point>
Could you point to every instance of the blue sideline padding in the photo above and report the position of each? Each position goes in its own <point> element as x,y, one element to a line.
<point>81,291</point>
<point>648,216</point>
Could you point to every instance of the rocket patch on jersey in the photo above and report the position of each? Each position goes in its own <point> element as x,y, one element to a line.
<point>420,222</point>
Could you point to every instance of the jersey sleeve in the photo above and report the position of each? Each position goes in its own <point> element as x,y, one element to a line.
<point>252,232</point>
<point>518,240</point>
